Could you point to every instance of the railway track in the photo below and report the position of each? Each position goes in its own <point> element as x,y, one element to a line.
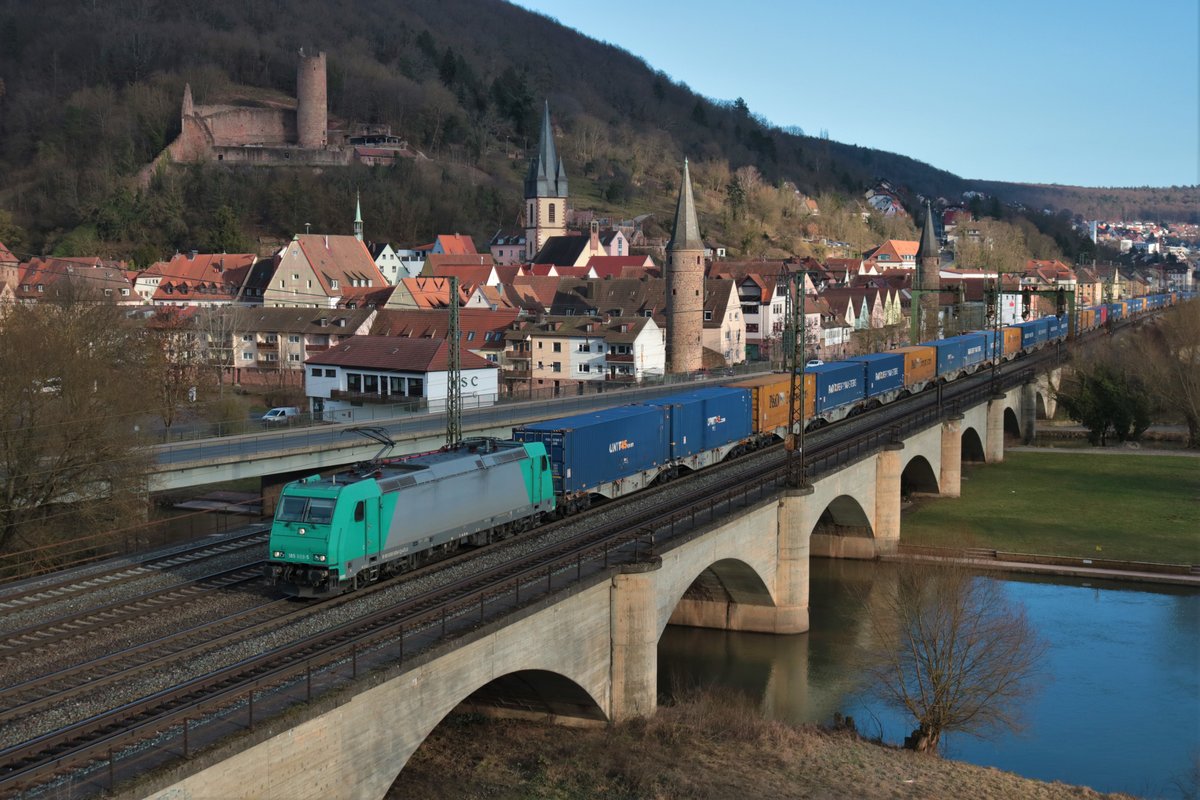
<point>284,676</point>
<point>41,592</point>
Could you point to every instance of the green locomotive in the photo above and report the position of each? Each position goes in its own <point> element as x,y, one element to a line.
<point>342,532</point>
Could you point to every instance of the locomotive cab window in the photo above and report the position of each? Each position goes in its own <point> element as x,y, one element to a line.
<point>545,462</point>
<point>318,510</point>
<point>359,511</point>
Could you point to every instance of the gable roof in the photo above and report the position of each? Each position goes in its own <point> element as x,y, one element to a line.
<point>397,354</point>
<point>6,256</point>
<point>561,250</point>
<point>620,266</point>
<point>480,328</point>
<point>214,274</point>
<point>48,272</point>
<point>344,259</point>
<point>456,244</point>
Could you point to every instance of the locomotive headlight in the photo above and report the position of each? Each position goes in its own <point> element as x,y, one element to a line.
<point>277,554</point>
<point>301,531</point>
<point>318,556</point>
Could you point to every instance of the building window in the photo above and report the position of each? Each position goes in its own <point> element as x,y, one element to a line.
<point>585,368</point>
<point>416,387</point>
<point>247,337</point>
<point>552,212</point>
<point>333,284</point>
<point>293,356</point>
<point>353,382</point>
<point>708,316</point>
<point>556,367</point>
<point>371,384</point>
<point>272,338</point>
<point>316,373</point>
<point>396,386</point>
<point>247,356</point>
<point>294,338</point>
<point>558,347</point>
<point>584,347</point>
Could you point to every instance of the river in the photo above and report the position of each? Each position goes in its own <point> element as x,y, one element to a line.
<point>1117,706</point>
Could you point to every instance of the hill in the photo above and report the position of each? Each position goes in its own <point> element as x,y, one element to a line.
<point>90,93</point>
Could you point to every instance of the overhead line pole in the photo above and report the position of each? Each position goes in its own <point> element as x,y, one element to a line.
<point>453,372</point>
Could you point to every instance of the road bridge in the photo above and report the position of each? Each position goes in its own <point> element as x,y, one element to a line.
<point>587,652</point>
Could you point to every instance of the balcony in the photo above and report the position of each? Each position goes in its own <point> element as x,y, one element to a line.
<point>381,399</point>
<point>517,374</point>
<point>614,378</point>
<point>619,358</point>
<point>315,348</point>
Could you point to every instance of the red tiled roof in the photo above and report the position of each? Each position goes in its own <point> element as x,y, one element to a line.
<point>341,258</point>
<point>457,244</point>
<point>205,273</point>
<point>619,266</point>
<point>396,354</point>
<point>6,255</point>
<point>433,323</point>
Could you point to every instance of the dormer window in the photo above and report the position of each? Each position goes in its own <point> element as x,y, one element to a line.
<point>333,284</point>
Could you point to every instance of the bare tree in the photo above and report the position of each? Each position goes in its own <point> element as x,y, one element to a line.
<point>218,329</point>
<point>173,361</point>
<point>1171,364</point>
<point>951,650</point>
<point>69,459</point>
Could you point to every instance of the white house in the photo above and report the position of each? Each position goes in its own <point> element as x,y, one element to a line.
<point>351,381</point>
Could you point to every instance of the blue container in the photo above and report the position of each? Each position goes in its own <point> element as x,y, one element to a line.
<point>993,344</point>
<point>837,384</point>
<point>883,372</point>
<point>705,419</point>
<point>587,450</point>
<point>950,354</point>
<point>1052,327</point>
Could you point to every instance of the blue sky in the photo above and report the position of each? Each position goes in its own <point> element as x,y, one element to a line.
<point>1100,93</point>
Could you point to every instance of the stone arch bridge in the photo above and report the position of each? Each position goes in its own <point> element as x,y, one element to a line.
<point>588,654</point>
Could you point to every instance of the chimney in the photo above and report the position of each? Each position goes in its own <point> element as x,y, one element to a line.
<point>595,236</point>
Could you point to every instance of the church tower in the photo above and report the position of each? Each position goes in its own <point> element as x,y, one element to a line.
<point>358,222</point>
<point>545,193</point>
<point>928,281</point>
<point>685,285</point>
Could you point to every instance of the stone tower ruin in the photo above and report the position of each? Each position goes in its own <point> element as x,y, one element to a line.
<point>312,120</point>
<point>685,285</point>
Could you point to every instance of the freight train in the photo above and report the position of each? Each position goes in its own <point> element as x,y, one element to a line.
<point>339,533</point>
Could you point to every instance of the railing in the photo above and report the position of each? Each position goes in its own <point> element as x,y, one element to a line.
<point>621,358</point>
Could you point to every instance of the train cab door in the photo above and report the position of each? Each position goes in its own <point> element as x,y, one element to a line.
<point>366,515</point>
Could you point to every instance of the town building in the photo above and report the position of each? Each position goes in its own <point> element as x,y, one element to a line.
<point>323,271</point>
<point>545,193</point>
<point>367,377</point>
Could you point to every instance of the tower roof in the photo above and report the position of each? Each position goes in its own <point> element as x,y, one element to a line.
<point>358,208</point>
<point>546,178</point>
<point>686,234</point>
<point>928,248</point>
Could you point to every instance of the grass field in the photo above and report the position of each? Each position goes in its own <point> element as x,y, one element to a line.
<point>1097,505</point>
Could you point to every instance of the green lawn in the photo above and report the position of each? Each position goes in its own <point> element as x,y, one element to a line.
<point>1128,507</point>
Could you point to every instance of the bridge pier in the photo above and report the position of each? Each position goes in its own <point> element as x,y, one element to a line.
<point>634,616</point>
<point>1028,412</point>
<point>950,477</point>
<point>993,448</point>
<point>888,468</point>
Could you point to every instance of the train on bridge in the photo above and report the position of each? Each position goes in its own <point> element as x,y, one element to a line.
<point>339,533</point>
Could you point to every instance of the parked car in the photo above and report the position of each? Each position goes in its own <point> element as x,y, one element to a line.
<point>280,415</point>
<point>814,362</point>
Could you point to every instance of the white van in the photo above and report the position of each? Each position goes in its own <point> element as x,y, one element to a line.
<point>280,414</point>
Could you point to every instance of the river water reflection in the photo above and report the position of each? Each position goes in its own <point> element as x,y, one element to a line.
<point>1118,710</point>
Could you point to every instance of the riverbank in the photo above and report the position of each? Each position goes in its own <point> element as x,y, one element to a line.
<point>712,745</point>
<point>1132,507</point>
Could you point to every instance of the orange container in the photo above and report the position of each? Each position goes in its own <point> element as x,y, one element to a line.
<point>1012,341</point>
<point>920,363</point>
<point>768,401</point>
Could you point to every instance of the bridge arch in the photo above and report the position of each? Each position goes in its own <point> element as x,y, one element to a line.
<point>844,516</point>
<point>529,693</point>
<point>1012,424</point>
<point>972,446</point>
<point>707,600</point>
<point>918,477</point>
<point>1041,400</point>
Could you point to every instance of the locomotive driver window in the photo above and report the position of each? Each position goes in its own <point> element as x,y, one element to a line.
<point>320,511</point>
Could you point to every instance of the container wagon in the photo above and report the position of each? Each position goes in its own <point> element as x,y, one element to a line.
<point>612,452</point>
<point>883,376</point>
<point>770,398</point>
<point>706,425</point>
<point>837,389</point>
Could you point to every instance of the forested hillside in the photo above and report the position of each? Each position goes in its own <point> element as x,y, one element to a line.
<point>90,92</point>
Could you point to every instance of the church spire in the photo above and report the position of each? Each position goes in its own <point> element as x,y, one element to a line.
<point>546,178</point>
<point>358,221</point>
<point>686,235</point>
<point>929,242</point>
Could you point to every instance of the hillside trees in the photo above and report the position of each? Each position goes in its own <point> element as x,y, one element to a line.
<point>74,370</point>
